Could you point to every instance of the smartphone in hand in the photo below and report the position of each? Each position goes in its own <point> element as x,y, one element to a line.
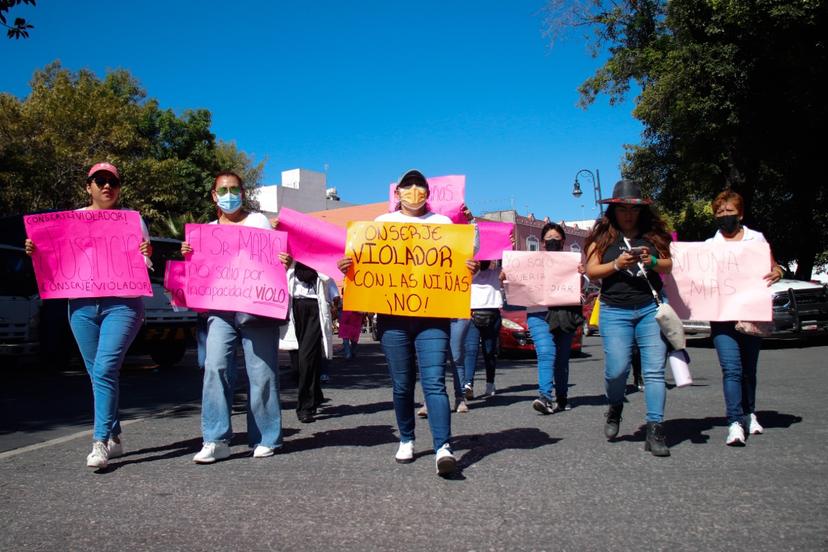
<point>636,251</point>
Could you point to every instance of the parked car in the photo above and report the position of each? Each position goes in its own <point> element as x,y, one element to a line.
<point>514,335</point>
<point>590,300</point>
<point>19,305</point>
<point>167,331</point>
<point>31,327</point>
<point>800,310</point>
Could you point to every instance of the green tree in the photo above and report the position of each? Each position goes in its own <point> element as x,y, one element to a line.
<point>730,97</point>
<point>71,120</point>
<point>20,28</point>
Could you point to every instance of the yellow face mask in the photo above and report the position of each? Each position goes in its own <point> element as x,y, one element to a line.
<point>414,197</point>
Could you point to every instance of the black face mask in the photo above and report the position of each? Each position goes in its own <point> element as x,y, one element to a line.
<point>728,224</point>
<point>553,245</point>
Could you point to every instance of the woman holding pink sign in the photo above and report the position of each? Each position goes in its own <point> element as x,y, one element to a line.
<point>552,349</point>
<point>738,352</point>
<point>104,328</point>
<point>629,247</point>
<point>259,339</point>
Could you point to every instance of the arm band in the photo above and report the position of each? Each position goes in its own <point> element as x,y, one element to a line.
<point>653,261</point>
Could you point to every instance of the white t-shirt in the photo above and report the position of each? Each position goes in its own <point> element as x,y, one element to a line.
<point>485,291</point>
<point>254,220</point>
<point>749,235</point>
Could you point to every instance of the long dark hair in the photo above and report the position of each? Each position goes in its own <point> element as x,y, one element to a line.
<point>649,224</point>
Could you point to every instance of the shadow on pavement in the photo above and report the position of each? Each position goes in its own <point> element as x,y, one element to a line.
<point>361,436</point>
<point>342,410</point>
<point>480,446</point>
<point>694,429</point>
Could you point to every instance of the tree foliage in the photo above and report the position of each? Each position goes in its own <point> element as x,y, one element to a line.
<point>20,27</point>
<point>71,120</point>
<point>730,97</point>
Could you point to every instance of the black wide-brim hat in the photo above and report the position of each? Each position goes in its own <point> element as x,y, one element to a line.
<point>627,192</point>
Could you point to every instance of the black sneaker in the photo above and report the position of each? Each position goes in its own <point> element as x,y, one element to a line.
<point>543,405</point>
<point>561,404</point>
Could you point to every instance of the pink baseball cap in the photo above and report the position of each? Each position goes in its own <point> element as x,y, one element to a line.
<point>108,167</point>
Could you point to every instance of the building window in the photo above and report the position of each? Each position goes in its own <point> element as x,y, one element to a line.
<point>532,244</point>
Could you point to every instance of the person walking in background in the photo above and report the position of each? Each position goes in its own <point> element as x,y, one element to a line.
<point>552,349</point>
<point>631,233</point>
<point>104,328</point>
<point>350,328</point>
<point>308,335</point>
<point>334,308</point>
<point>486,302</point>
<point>259,340</point>
<point>738,352</point>
<point>411,342</point>
<point>463,390</point>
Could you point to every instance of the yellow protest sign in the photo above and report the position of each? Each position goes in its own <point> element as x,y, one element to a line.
<point>409,269</point>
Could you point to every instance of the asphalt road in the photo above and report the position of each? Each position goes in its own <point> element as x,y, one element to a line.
<point>527,482</point>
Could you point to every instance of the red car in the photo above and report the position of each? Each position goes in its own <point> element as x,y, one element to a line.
<point>514,333</point>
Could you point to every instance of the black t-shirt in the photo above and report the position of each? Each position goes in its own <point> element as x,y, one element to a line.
<point>627,288</point>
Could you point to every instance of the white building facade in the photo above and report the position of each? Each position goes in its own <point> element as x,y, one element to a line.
<point>302,190</point>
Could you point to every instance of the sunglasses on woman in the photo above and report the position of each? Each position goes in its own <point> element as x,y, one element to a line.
<point>101,181</point>
<point>224,190</point>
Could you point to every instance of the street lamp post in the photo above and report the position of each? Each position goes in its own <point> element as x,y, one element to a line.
<point>596,187</point>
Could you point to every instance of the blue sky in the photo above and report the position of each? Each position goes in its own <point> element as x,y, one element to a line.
<point>367,88</point>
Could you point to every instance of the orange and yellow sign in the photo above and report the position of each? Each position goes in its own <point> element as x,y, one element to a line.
<point>409,269</point>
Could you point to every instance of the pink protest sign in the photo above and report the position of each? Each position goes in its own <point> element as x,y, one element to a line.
<point>720,281</point>
<point>542,278</point>
<point>446,195</point>
<point>88,253</point>
<point>175,282</point>
<point>314,242</point>
<point>495,238</point>
<point>236,268</point>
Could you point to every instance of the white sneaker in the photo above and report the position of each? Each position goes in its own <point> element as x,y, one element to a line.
<point>405,454</point>
<point>99,457</point>
<point>461,406</point>
<point>735,435</point>
<point>115,446</point>
<point>490,390</point>
<point>211,452</point>
<point>262,451</point>
<point>754,428</point>
<point>445,460</point>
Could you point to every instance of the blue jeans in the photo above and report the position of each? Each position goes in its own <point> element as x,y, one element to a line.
<point>738,356</point>
<point>104,328</point>
<point>264,411</point>
<point>401,338</point>
<point>553,355</point>
<point>620,328</point>
<point>349,347</point>
<point>487,337</point>
<point>457,339</point>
